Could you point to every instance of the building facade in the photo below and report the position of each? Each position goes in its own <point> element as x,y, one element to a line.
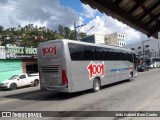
<point>115,39</point>
<point>96,38</point>
<point>147,48</point>
<point>17,60</point>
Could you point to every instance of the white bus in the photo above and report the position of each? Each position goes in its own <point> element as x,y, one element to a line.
<point>153,62</point>
<point>71,66</point>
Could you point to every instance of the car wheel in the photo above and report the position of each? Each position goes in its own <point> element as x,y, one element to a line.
<point>96,85</point>
<point>36,83</point>
<point>13,86</point>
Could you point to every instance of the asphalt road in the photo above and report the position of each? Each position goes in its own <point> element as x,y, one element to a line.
<point>122,96</point>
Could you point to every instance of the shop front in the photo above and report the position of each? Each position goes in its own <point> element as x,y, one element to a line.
<point>17,60</point>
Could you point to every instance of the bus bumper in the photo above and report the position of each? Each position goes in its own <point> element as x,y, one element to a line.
<point>63,88</point>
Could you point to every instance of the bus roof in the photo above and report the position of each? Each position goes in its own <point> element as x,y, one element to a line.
<point>92,44</point>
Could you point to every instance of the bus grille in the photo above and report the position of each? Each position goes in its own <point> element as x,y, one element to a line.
<point>51,69</point>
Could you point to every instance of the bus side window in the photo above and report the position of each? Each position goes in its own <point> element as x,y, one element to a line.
<point>99,53</point>
<point>76,51</point>
<point>88,53</point>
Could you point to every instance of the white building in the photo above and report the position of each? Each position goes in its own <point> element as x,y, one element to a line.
<point>2,52</point>
<point>116,39</point>
<point>96,38</point>
<point>147,48</point>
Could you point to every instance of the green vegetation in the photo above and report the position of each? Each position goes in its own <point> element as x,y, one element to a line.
<point>31,35</point>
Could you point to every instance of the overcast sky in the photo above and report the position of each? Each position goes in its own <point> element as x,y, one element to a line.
<point>51,13</point>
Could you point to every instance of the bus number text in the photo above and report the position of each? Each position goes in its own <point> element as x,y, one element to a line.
<point>95,69</point>
<point>50,50</point>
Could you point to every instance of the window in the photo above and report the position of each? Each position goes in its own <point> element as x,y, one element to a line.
<point>86,52</point>
<point>129,56</point>
<point>76,51</point>
<point>22,77</point>
<point>99,53</point>
<point>132,48</point>
<point>147,46</point>
<point>139,47</point>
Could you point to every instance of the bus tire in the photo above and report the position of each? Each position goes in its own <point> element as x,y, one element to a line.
<point>130,77</point>
<point>96,85</point>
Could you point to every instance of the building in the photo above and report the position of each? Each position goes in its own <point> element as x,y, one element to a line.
<point>116,39</point>
<point>147,48</point>
<point>17,60</point>
<point>96,38</point>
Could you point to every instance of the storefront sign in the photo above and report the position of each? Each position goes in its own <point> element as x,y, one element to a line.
<point>20,52</point>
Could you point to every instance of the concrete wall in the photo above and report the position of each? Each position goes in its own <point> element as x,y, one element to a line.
<point>2,52</point>
<point>99,38</point>
<point>9,68</point>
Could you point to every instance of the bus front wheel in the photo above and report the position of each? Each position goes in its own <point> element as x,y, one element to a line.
<point>96,85</point>
<point>130,77</point>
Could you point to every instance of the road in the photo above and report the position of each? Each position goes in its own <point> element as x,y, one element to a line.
<point>122,96</point>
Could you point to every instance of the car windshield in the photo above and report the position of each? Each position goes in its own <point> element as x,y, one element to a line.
<point>13,77</point>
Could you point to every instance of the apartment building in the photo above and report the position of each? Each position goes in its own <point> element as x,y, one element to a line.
<point>115,39</point>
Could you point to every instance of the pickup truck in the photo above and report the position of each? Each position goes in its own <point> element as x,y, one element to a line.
<point>16,81</point>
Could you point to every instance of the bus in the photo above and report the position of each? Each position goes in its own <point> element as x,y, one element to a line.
<point>153,62</point>
<point>72,66</point>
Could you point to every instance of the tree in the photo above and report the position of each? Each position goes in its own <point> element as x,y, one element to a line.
<point>60,29</point>
<point>1,29</point>
<point>82,35</point>
<point>67,32</point>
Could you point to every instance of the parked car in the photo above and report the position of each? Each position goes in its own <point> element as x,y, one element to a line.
<point>20,80</point>
<point>142,68</point>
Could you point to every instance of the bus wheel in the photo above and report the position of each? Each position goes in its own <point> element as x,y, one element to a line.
<point>96,85</point>
<point>130,77</point>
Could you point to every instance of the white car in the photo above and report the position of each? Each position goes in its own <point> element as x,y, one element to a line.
<point>20,80</point>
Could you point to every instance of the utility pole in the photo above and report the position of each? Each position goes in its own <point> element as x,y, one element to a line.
<point>75,28</point>
<point>158,50</point>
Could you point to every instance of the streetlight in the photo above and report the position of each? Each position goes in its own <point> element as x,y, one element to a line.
<point>89,29</point>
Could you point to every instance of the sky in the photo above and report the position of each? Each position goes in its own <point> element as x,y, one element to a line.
<point>51,13</point>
